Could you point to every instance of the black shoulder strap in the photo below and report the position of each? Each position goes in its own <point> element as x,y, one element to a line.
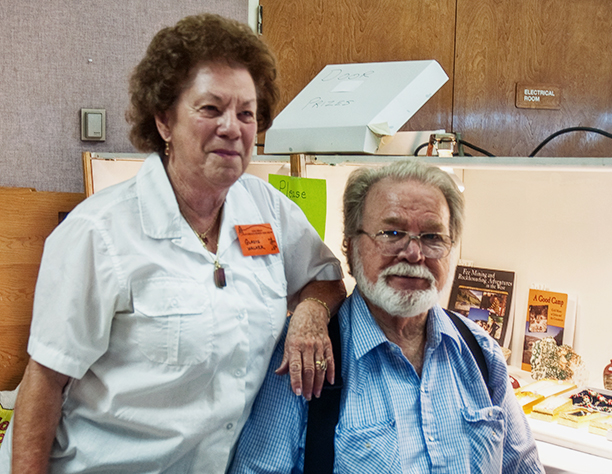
<point>323,415</point>
<point>472,343</point>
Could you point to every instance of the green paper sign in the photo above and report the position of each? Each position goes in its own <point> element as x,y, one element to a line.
<point>309,194</point>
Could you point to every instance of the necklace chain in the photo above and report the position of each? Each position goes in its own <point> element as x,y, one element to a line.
<point>202,236</point>
<point>219,271</point>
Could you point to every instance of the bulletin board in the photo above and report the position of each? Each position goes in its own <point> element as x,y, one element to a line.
<point>101,170</point>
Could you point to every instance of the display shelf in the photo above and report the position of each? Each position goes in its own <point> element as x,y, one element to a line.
<point>559,460</point>
<point>463,162</point>
<point>119,156</point>
<point>577,439</point>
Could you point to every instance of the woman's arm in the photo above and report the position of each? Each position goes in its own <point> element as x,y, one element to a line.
<point>37,413</point>
<point>307,341</point>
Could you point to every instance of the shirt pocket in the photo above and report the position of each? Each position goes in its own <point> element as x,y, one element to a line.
<point>368,449</point>
<point>485,431</point>
<point>271,280</point>
<point>175,324</point>
<point>272,285</point>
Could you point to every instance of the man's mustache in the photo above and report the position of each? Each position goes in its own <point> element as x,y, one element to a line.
<point>408,270</point>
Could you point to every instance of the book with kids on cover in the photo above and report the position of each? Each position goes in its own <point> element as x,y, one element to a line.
<point>547,317</point>
<point>484,295</point>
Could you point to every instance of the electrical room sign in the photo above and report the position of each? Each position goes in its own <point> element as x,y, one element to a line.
<point>538,96</point>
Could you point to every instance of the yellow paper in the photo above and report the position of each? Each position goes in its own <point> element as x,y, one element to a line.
<point>309,194</point>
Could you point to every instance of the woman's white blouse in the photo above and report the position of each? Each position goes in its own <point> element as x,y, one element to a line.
<point>164,365</point>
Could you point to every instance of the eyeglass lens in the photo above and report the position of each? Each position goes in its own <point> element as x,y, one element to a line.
<point>431,245</point>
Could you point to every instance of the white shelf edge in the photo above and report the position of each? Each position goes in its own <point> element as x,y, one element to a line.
<point>497,163</point>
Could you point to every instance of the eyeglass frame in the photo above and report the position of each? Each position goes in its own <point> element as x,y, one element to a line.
<point>447,241</point>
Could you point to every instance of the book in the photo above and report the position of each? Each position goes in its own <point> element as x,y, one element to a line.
<point>485,296</point>
<point>547,317</point>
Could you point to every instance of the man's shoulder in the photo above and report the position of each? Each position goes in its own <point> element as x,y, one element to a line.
<point>353,307</point>
<point>354,303</point>
<point>493,367</point>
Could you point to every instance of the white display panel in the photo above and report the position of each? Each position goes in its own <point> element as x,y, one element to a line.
<point>550,225</point>
<point>553,228</point>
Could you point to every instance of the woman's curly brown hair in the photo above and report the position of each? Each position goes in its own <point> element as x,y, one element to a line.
<point>170,63</point>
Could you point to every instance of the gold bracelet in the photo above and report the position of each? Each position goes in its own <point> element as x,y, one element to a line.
<point>321,303</point>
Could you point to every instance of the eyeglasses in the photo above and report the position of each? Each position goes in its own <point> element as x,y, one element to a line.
<point>392,242</point>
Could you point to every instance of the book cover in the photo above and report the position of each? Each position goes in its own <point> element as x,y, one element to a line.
<point>547,316</point>
<point>484,295</point>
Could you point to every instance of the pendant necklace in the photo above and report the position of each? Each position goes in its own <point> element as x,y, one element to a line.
<point>219,271</point>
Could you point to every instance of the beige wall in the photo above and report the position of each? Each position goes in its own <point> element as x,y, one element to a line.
<point>46,78</point>
<point>547,225</point>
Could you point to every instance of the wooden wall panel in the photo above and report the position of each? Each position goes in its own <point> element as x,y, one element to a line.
<point>13,355</point>
<point>17,282</point>
<point>307,35</point>
<point>500,43</point>
<point>486,46</point>
<point>27,218</point>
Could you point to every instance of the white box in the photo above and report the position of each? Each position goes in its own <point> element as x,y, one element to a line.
<point>347,108</point>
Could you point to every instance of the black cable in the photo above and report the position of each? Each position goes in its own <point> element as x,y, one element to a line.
<point>474,147</point>
<point>567,130</point>
<point>533,153</point>
<point>419,148</point>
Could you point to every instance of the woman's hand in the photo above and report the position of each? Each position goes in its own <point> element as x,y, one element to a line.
<point>308,350</point>
<point>308,353</point>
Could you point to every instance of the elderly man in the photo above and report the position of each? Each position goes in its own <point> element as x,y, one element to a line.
<point>414,399</point>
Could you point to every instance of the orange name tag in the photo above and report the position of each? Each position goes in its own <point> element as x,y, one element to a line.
<point>257,239</point>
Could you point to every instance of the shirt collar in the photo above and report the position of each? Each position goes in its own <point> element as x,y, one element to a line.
<point>159,211</point>
<point>367,334</point>
<point>161,217</point>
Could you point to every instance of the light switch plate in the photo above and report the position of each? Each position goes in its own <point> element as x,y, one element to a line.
<point>93,125</point>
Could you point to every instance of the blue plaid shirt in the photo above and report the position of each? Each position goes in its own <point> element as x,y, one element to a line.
<point>392,420</point>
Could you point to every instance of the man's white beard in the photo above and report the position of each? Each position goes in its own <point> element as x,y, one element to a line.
<point>405,304</point>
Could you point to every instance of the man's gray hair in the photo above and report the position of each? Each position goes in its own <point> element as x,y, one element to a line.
<point>361,181</point>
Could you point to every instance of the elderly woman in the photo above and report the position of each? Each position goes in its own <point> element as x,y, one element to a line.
<point>154,320</point>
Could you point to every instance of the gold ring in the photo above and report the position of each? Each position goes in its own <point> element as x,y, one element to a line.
<point>321,365</point>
